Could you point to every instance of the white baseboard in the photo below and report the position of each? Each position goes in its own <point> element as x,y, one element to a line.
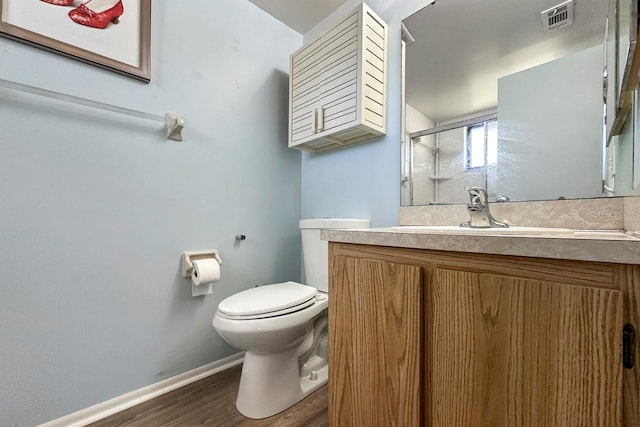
<point>102,410</point>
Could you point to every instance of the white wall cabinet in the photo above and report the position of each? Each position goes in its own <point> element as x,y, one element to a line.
<point>337,86</point>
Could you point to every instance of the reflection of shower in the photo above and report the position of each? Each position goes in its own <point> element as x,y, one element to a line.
<point>424,167</point>
<point>429,146</point>
<point>435,169</point>
<point>608,183</point>
<point>436,177</point>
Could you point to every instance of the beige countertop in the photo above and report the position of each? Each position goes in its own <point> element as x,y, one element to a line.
<point>602,246</point>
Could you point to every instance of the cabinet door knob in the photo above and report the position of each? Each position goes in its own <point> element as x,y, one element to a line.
<point>314,121</point>
<point>628,346</point>
<point>321,119</point>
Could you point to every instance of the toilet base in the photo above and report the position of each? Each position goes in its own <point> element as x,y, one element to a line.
<point>271,383</point>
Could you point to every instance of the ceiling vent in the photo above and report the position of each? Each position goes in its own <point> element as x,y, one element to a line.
<point>558,16</point>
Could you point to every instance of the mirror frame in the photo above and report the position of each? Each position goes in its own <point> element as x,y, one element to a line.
<point>625,81</point>
<point>624,78</point>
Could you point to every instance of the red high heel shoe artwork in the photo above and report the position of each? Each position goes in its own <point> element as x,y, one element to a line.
<point>59,2</point>
<point>85,16</point>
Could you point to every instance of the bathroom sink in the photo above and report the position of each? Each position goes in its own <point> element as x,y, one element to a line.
<point>453,229</point>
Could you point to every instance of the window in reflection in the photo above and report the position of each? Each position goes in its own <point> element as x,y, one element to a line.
<point>482,144</point>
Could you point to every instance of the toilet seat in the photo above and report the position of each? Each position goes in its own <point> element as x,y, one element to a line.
<point>268,301</point>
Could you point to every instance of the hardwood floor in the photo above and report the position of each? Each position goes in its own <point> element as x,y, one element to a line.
<point>212,402</point>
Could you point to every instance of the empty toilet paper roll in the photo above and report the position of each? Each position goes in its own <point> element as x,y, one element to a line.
<point>205,271</point>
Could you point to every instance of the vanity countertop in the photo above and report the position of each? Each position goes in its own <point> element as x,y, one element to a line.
<point>601,246</point>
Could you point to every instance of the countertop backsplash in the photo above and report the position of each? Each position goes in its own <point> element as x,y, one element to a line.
<point>611,213</point>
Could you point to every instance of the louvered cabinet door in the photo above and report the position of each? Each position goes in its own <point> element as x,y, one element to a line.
<point>375,343</point>
<point>505,351</point>
<point>306,69</point>
<point>339,78</point>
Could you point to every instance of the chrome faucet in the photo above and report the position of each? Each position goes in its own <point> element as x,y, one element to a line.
<point>478,208</point>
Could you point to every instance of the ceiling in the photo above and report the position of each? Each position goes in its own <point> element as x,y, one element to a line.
<point>301,15</point>
<point>463,46</point>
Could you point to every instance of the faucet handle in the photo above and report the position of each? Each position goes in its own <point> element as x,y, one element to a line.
<point>475,190</point>
<point>477,194</point>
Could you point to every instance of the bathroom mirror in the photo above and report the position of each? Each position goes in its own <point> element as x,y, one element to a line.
<point>506,96</point>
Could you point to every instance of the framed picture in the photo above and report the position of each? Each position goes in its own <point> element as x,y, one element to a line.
<point>112,34</point>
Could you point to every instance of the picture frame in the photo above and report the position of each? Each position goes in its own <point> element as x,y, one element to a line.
<point>114,35</point>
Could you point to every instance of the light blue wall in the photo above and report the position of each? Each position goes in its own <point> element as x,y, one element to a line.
<point>95,208</point>
<point>363,181</point>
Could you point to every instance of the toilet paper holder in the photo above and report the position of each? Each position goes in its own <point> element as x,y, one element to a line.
<point>189,256</point>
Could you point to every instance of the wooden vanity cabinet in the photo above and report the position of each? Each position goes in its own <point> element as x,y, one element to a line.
<point>431,338</point>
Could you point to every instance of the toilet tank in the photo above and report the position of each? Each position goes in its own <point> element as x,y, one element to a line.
<point>316,251</point>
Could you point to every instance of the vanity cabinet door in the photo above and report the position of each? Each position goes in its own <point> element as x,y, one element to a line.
<point>375,346</point>
<point>506,351</point>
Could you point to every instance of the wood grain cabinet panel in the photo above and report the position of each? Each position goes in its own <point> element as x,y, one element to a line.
<point>428,338</point>
<point>376,342</point>
<point>519,352</point>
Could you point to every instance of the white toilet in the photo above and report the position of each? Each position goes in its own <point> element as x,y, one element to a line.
<point>283,328</point>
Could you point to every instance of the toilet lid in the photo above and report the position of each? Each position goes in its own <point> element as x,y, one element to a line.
<point>267,299</point>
